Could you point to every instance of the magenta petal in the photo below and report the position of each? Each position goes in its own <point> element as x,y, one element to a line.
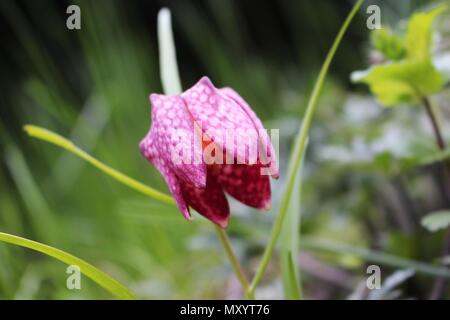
<point>264,139</point>
<point>216,113</point>
<point>245,183</point>
<point>210,202</point>
<point>172,136</point>
<point>174,187</point>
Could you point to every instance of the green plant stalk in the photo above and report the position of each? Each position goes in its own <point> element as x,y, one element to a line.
<point>290,244</point>
<point>299,149</point>
<point>223,237</point>
<point>170,78</point>
<point>87,269</point>
<point>434,123</point>
<point>293,289</point>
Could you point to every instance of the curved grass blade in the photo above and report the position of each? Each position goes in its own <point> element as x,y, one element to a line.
<point>293,290</point>
<point>56,139</point>
<point>299,149</point>
<point>290,244</point>
<point>101,278</point>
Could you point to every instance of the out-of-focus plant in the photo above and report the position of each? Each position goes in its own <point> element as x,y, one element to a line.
<point>389,44</point>
<point>407,76</point>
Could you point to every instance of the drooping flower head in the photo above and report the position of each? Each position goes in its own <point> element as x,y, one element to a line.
<point>207,142</point>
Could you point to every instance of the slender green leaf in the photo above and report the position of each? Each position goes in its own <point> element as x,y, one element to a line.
<point>290,274</point>
<point>290,243</point>
<point>167,55</point>
<point>101,278</point>
<point>56,139</point>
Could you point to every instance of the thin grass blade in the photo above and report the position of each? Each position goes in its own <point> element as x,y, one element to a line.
<point>101,278</point>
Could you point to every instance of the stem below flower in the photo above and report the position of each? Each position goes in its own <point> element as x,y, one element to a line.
<point>223,237</point>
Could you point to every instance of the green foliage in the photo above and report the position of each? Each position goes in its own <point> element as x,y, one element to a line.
<point>388,43</point>
<point>410,75</point>
<point>436,221</point>
<point>419,33</point>
<point>402,82</point>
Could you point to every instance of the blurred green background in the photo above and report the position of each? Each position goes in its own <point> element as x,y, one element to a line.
<point>92,85</point>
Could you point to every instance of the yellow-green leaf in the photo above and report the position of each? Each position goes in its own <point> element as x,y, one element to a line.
<point>419,33</point>
<point>388,43</point>
<point>401,82</point>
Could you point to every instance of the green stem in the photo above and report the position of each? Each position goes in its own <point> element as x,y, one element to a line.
<point>290,243</point>
<point>223,237</point>
<point>299,149</point>
<point>434,123</point>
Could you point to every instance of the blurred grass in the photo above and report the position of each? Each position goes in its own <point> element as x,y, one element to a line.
<point>93,85</point>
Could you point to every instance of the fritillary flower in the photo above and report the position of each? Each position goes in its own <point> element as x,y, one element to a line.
<point>207,142</point>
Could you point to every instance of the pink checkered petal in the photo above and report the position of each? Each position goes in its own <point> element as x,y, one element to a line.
<point>174,185</point>
<point>173,137</point>
<point>245,183</point>
<point>210,202</point>
<point>265,146</point>
<point>218,113</point>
